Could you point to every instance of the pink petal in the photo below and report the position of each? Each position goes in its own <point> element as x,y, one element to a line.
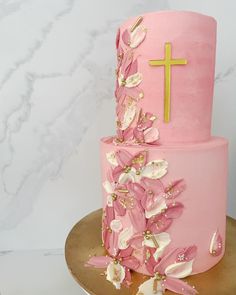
<point>135,92</point>
<point>117,172</point>
<point>133,68</point>
<point>158,223</point>
<point>136,241</point>
<point>117,38</point>
<point>186,254</point>
<point>119,92</point>
<point>139,136</point>
<point>151,135</point>
<point>179,287</point>
<point>130,262</point>
<point>127,60</point>
<point>137,218</point>
<point>149,259</point>
<point>136,189</point>
<point>139,159</point>
<point>217,244</point>
<point>128,134</point>
<point>127,281</point>
<point>124,158</point>
<point>110,214</point>
<point>113,247</point>
<point>126,37</point>
<point>126,252</point>
<point>154,185</point>
<point>119,208</point>
<point>175,188</point>
<point>107,237</point>
<point>99,261</point>
<point>174,210</point>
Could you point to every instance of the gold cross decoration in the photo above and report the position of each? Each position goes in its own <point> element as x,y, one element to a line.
<point>167,62</point>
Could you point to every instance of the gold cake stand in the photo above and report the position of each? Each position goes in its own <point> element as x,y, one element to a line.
<point>85,240</point>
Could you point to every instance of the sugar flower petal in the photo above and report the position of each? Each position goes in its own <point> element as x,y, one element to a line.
<point>111,158</point>
<point>179,269</point>
<point>115,274</point>
<point>151,287</point>
<point>155,169</point>
<point>124,237</point>
<point>216,245</point>
<point>134,80</point>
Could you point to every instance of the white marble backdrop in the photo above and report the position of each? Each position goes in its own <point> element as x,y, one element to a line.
<point>57,62</point>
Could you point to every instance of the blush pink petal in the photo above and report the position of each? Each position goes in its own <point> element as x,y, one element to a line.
<point>134,92</point>
<point>177,187</point>
<point>126,252</point>
<point>159,223</point>
<point>126,37</point>
<point>130,262</point>
<point>133,68</point>
<point>174,210</point>
<point>179,286</point>
<point>99,261</point>
<point>127,279</point>
<point>123,158</point>
<point>136,189</point>
<point>110,214</point>
<point>137,218</point>
<point>139,136</point>
<point>118,39</point>
<point>189,253</point>
<point>116,172</point>
<point>119,208</point>
<point>136,241</point>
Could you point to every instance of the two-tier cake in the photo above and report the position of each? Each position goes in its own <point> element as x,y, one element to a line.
<point>164,176</point>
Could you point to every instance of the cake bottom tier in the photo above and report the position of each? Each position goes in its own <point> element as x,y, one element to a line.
<point>203,167</point>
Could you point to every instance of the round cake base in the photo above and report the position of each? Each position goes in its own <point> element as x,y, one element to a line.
<point>84,241</point>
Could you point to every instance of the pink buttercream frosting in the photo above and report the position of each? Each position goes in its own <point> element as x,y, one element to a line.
<point>192,37</point>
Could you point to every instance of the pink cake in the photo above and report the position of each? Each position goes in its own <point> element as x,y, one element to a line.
<point>164,176</point>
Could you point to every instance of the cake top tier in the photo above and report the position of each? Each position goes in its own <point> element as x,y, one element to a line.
<point>165,78</point>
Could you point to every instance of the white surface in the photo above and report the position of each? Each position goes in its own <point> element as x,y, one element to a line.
<point>56,101</point>
<point>36,273</point>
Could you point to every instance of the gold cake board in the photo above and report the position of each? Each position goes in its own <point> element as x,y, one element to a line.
<point>85,240</point>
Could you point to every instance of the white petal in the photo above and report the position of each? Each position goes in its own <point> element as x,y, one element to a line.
<point>179,269</point>
<point>111,158</point>
<point>147,288</point>
<point>155,169</point>
<point>108,187</point>
<point>124,236</point>
<point>115,274</point>
<point>159,206</point>
<point>125,177</point>
<point>133,80</point>
<point>137,36</point>
<point>109,201</point>
<point>162,239</point>
<point>116,225</point>
<point>120,79</point>
<point>151,135</point>
<point>128,116</point>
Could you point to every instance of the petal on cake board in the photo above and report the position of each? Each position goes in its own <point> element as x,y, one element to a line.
<point>99,261</point>
<point>115,274</point>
